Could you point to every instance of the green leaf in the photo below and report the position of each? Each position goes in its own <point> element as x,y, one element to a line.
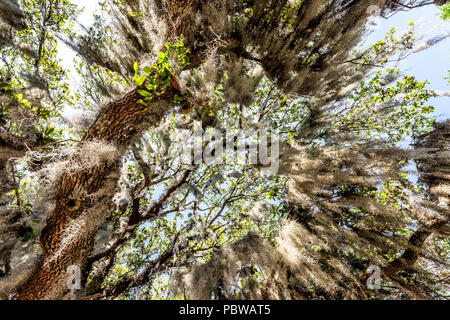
<point>136,67</point>
<point>5,86</point>
<point>26,103</point>
<point>161,57</point>
<point>147,70</point>
<point>49,131</point>
<point>144,93</point>
<point>140,81</point>
<point>445,11</point>
<point>150,87</point>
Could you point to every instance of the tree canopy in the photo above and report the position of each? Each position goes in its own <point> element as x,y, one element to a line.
<point>230,149</point>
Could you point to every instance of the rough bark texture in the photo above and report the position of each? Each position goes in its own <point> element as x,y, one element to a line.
<point>119,122</point>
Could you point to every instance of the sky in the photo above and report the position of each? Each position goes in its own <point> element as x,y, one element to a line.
<point>431,64</point>
<point>86,19</point>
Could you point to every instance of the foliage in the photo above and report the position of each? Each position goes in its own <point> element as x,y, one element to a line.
<point>445,11</point>
<point>346,195</point>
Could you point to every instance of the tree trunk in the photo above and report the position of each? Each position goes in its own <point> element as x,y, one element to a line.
<point>118,123</point>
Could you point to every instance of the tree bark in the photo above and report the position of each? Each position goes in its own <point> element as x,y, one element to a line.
<point>118,123</point>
